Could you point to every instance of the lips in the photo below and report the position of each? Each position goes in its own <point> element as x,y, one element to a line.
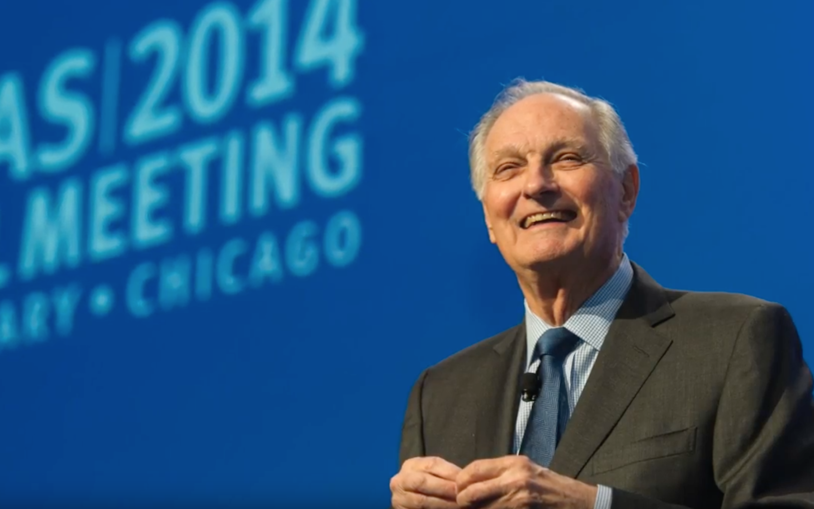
<point>549,216</point>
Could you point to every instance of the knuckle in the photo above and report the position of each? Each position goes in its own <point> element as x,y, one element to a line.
<point>526,500</point>
<point>433,462</point>
<point>530,468</point>
<point>423,464</point>
<point>476,466</point>
<point>465,498</point>
<point>397,481</point>
<point>413,482</point>
<point>419,501</point>
<point>419,482</point>
<point>418,464</point>
<point>518,483</point>
<point>399,500</point>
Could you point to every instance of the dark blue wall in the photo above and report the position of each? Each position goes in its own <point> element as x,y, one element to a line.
<point>229,243</point>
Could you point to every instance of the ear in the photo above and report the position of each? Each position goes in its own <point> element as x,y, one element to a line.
<point>488,224</point>
<point>630,191</point>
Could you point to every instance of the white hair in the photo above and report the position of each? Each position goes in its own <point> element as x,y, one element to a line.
<point>612,134</point>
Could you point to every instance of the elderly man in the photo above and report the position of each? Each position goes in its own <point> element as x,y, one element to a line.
<point>614,391</point>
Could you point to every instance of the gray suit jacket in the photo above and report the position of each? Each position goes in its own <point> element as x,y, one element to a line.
<point>698,400</point>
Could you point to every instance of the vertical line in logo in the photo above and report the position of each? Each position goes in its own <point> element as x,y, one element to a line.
<point>108,110</point>
<point>5,275</point>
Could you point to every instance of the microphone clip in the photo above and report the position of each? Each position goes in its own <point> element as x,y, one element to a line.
<point>530,386</point>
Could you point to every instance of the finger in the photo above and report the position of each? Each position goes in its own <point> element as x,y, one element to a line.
<point>439,467</point>
<point>480,492</point>
<point>409,500</point>
<point>427,484</point>
<point>482,470</point>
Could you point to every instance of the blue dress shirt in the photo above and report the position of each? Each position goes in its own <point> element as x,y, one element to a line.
<point>590,323</point>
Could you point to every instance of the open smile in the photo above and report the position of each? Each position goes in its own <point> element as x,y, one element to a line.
<point>548,217</point>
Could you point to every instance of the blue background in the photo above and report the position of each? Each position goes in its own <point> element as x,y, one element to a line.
<point>296,392</point>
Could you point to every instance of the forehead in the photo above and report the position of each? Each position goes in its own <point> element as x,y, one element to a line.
<point>539,120</point>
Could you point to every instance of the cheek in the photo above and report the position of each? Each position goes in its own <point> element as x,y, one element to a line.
<point>599,202</point>
<point>501,203</point>
<point>608,211</point>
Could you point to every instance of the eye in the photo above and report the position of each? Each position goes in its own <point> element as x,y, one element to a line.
<point>570,157</point>
<point>502,168</point>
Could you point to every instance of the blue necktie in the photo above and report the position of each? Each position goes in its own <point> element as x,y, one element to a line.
<point>549,414</point>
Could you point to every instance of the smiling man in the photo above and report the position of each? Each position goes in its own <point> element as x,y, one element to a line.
<point>613,391</point>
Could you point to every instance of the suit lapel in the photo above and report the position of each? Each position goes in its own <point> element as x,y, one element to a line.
<point>629,354</point>
<point>498,396</point>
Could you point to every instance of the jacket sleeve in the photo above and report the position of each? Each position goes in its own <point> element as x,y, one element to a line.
<point>412,434</point>
<point>763,446</point>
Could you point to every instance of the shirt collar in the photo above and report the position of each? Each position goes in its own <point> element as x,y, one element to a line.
<point>593,319</point>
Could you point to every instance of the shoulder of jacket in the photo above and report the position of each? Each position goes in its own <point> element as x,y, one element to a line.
<point>471,356</point>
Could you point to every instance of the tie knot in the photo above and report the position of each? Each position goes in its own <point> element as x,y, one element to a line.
<point>556,342</point>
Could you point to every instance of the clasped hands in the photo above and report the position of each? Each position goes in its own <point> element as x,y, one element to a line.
<point>502,483</point>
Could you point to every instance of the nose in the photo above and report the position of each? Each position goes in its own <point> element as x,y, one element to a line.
<point>540,179</point>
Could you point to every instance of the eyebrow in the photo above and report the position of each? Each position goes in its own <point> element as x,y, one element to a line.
<point>572,143</point>
<point>556,145</point>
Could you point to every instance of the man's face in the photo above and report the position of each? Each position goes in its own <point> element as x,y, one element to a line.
<point>550,193</point>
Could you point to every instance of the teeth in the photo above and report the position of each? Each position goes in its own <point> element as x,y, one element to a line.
<point>544,216</point>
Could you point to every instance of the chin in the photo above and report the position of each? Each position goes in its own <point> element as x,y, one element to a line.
<point>546,256</point>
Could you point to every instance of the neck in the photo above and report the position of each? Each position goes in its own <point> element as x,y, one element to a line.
<point>555,293</point>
